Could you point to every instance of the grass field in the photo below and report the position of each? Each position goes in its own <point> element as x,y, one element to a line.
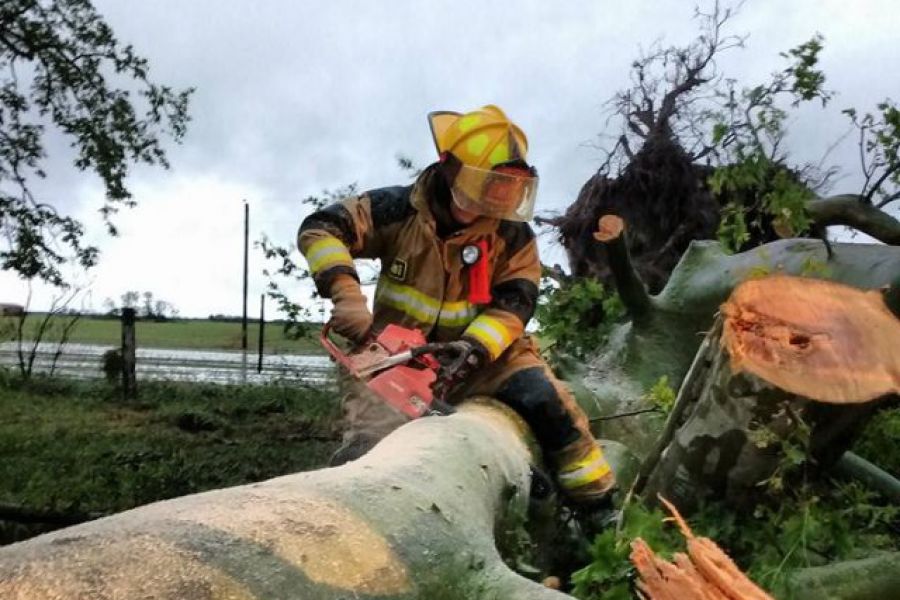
<point>74,447</point>
<point>199,334</point>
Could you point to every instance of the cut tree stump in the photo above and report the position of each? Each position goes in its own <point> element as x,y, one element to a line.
<point>663,340</point>
<point>799,367</point>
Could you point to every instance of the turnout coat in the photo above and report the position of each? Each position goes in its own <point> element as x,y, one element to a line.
<point>425,283</point>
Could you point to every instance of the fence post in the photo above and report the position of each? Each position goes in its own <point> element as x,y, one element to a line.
<point>262,328</point>
<point>129,381</point>
<point>246,246</point>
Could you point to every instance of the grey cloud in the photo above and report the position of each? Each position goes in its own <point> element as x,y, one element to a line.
<point>296,97</point>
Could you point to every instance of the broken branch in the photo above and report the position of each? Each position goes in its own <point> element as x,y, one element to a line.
<point>611,233</point>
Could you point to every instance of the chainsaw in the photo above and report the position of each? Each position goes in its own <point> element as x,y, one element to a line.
<point>398,365</point>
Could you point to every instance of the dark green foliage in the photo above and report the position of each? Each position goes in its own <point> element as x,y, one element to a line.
<point>763,192</point>
<point>810,525</point>
<point>879,441</point>
<point>802,518</point>
<point>576,315</point>
<point>879,136</point>
<point>610,575</point>
<point>61,65</point>
<point>770,196</point>
<point>194,421</point>
<point>73,447</point>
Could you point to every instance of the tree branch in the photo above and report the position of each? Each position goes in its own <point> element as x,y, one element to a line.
<point>551,221</point>
<point>314,534</point>
<point>611,233</point>
<point>888,200</point>
<point>853,211</point>
<point>881,179</point>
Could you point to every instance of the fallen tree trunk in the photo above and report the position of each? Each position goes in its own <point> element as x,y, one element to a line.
<point>662,340</point>
<point>797,371</point>
<point>874,578</point>
<point>414,518</point>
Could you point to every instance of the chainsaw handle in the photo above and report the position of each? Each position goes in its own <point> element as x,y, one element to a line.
<point>333,349</point>
<point>430,348</point>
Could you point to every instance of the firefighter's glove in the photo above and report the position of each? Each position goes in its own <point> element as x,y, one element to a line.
<point>350,316</point>
<point>458,360</point>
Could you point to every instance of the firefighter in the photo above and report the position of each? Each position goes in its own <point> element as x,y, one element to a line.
<point>459,262</point>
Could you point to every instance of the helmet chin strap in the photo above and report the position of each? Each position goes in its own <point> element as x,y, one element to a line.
<point>449,166</point>
<point>439,204</point>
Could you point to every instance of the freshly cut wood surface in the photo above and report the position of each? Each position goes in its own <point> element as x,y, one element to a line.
<point>818,339</point>
<point>609,227</point>
<point>705,573</point>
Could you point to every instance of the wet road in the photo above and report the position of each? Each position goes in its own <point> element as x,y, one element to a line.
<point>212,366</point>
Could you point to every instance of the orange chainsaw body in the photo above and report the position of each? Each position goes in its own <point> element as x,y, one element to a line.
<point>388,367</point>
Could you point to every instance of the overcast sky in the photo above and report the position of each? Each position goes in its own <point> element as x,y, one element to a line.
<point>294,97</point>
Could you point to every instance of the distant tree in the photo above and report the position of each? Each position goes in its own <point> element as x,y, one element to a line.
<point>163,310</point>
<point>145,305</point>
<point>147,308</point>
<point>110,309</point>
<point>62,67</point>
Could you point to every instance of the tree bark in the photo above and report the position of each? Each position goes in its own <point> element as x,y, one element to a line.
<point>798,368</point>
<point>875,578</point>
<point>611,233</point>
<point>414,518</point>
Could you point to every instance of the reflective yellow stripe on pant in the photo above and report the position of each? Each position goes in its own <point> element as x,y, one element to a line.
<point>584,471</point>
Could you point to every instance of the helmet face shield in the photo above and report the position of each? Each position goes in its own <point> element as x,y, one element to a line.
<point>505,192</point>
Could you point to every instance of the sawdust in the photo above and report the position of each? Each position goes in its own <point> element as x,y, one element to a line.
<point>329,543</point>
<point>143,566</point>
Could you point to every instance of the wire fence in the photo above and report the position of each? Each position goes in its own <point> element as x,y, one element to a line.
<point>85,361</point>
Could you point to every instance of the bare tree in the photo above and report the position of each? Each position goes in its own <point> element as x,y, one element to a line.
<point>58,323</point>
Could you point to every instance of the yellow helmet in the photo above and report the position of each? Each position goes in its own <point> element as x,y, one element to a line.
<point>481,138</point>
<point>493,178</point>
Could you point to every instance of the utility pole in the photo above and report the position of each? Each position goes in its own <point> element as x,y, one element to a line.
<point>262,329</point>
<point>246,246</point>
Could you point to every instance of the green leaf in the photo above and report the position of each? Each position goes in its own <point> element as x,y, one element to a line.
<point>719,131</point>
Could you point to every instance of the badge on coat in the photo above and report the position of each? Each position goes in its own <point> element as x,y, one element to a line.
<point>398,269</point>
